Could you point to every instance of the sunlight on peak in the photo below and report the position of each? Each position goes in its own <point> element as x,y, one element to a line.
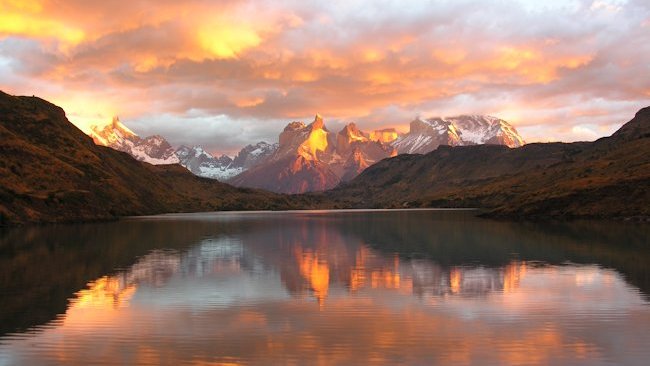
<point>317,141</point>
<point>85,111</point>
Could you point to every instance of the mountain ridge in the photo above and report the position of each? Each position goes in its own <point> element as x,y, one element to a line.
<point>309,158</point>
<point>51,171</point>
<point>341,156</point>
<point>602,179</point>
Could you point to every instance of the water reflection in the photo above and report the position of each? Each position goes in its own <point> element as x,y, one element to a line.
<point>382,288</point>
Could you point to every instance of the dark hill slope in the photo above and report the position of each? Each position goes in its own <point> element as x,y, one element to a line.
<point>607,178</point>
<point>50,171</point>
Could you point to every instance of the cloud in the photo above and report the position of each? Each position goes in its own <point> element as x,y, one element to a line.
<point>160,64</point>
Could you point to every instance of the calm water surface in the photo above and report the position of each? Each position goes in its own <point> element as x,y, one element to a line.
<point>374,287</point>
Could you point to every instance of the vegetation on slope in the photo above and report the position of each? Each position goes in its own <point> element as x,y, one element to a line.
<point>608,178</point>
<point>50,171</point>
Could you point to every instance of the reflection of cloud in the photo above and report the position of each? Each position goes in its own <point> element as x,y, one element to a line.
<point>254,61</point>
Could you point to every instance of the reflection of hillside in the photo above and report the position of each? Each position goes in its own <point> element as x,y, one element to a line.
<point>365,269</point>
<point>41,267</point>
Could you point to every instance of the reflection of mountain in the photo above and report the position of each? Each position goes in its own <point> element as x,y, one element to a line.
<point>114,291</point>
<point>322,256</point>
<point>368,269</point>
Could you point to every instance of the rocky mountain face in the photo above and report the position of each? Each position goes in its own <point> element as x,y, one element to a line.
<point>601,179</point>
<point>50,171</point>
<point>153,149</point>
<point>326,158</point>
<point>426,135</point>
<point>203,164</point>
<point>252,155</point>
<point>311,158</point>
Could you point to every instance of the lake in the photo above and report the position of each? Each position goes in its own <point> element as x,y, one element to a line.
<point>415,287</point>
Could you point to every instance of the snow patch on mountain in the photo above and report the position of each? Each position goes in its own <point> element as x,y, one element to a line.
<point>203,164</point>
<point>153,149</point>
<point>426,135</point>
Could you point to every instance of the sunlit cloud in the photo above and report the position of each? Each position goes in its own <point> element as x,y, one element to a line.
<point>28,19</point>
<point>546,68</point>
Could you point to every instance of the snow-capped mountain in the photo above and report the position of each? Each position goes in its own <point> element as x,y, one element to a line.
<point>156,150</point>
<point>252,155</point>
<point>311,158</point>
<point>153,149</point>
<point>203,164</point>
<point>426,135</point>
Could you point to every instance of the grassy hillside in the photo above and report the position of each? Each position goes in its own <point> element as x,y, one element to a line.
<point>608,178</point>
<point>50,171</point>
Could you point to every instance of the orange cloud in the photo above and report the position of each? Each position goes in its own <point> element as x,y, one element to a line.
<point>227,40</point>
<point>278,61</point>
<point>28,19</point>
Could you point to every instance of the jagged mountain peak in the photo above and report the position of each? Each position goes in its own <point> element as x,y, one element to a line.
<point>295,125</point>
<point>152,149</point>
<point>116,124</point>
<point>310,158</point>
<point>112,133</point>
<point>318,122</point>
<point>385,135</point>
<point>305,140</point>
<point>252,155</point>
<point>426,135</point>
<point>312,149</point>
<point>353,133</point>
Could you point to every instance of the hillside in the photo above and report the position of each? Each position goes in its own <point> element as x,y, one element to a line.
<point>603,179</point>
<point>50,171</point>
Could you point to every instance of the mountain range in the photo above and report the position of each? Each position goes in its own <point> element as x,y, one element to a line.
<point>157,150</point>
<point>605,178</point>
<point>426,135</point>
<point>310,157</point>
<point>50,171</point>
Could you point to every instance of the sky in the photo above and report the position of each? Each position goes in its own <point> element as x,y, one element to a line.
<point>223,74</point>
